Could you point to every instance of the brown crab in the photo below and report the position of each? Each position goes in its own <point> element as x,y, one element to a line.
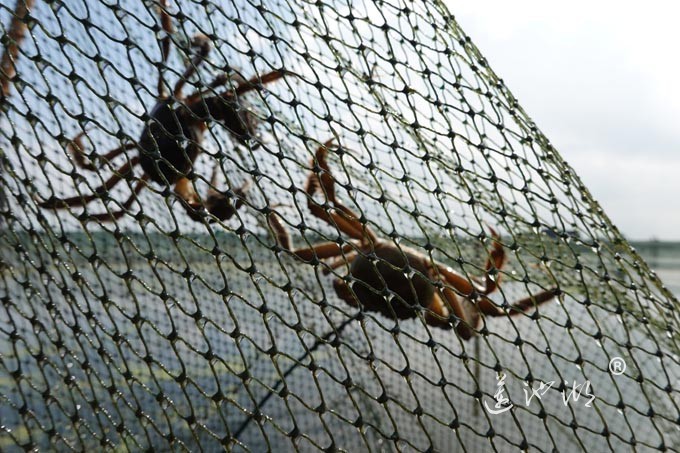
<point>171,140</point>
<point>397,281</point>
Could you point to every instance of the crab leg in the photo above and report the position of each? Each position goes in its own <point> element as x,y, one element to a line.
<point>522,306</point>
<point>125,206</point>
<point>469,313</point>
<point>280,232</point>
<point>319,251</point>
<point>203,44</point>
<point>166,24</point>
<point>466,318</point>
<point>467,287</point>
<point>494,262</point>
<point>185,189</point>
<point>189,199</point>
<point>122,173</point>
<point>242,86</point>
<point>219,81</point>
<point>346,221</point>
<point>16,34</point>
<point>76,149</point>
<point>438,312</point>
<point>256,83</point>
<point>219,205</point>
<point>459,282</point>
<point>340,261</point>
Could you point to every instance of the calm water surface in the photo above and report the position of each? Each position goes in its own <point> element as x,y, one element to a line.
<point>664,258</point>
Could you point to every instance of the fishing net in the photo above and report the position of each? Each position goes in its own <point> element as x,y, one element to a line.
<point>448,282</point>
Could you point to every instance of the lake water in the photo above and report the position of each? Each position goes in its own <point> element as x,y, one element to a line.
<point>664,258</point>
<point>145,324</point>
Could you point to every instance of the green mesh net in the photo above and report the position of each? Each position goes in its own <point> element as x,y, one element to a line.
<point>304,225</point>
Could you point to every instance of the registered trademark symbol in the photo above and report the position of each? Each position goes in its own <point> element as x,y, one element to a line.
<point>617,366</point>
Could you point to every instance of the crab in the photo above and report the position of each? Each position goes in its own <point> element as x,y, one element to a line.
<point>171,140</point>
<point>397,281</point>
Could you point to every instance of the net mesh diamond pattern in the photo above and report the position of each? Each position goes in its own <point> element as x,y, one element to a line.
<point>302,225</point>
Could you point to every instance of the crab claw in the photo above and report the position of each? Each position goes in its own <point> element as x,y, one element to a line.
<point>202,43</point>
<point>221,206</point>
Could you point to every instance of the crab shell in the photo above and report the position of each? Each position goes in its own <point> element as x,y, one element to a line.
<point>394,281</point>
<point>169,144</point>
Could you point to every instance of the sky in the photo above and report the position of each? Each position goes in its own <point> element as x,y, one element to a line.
<point>602,80</point>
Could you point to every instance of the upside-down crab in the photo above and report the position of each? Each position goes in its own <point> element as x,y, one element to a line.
<point>397,281</point>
